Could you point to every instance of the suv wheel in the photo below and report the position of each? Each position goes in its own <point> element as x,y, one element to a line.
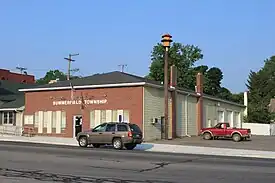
<point>117,143</point>
<point>130,146</point>
<point>83,142</point>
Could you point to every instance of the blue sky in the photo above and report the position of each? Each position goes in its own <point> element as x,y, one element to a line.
<point>235,36</point>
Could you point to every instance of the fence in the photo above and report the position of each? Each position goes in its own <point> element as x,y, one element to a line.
<point>11,130</point>
<point>260,129</point>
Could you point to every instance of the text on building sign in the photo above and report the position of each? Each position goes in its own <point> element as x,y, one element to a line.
<point>78,102</point>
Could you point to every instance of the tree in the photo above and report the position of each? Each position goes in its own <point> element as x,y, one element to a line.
<point>261,86</point>
<point>182,56</point>
<point>238,97</point>
<point>212,84</point>
<point>53,75</point>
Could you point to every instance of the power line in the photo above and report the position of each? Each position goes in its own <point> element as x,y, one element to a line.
<point>21,69</point>
<point>122,66</point>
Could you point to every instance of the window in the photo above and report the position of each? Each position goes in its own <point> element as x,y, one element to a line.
<point>8,118</point>
<point>111,128</point>
<point>100,128</point>
<point>122,128</point>
<point>135,128</point>
<point>219,125</point>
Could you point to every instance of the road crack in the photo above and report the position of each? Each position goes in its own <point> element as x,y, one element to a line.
<point>158,166</point>
<point>163,164</point>
<point>52,177</point>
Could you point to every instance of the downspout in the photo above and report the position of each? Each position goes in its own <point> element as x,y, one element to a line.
<point>186,115</point>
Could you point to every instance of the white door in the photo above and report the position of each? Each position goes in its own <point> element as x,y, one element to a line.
<point>237,120</point>
<point>230,118</point>
<point>220,116</point>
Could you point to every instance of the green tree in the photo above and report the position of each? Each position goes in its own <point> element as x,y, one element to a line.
<point>212,84</point>
<point>261,86</point>
<point>238,97</point>
<point>53,75</point>
<point>182,56</point>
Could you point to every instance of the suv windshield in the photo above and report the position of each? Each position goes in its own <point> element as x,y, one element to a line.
<point>135,128</point>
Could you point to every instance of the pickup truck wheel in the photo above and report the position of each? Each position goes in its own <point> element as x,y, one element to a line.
<point>130,146</point>
<point>236,137</point>
<point>207,136</point>
<point>117,143</point>
<point>83,142</point>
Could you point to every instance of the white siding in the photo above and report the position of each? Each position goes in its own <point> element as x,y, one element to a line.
<point>108,115</point>
<point>181,117</point>
<point>192,128</point>
<point>58,122</point>
<point>92,119</point>
<point>97,117</point>
<point>49,124</point>
<point>40,121</point>
<point>126,116</point>
<point>63,120</point>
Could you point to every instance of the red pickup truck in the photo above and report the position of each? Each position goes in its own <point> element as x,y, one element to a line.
<point>225,131</point>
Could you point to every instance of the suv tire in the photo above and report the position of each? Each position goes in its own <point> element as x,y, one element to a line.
<point>83,142</point>
<point>117,143</point>
<point>130,146</point>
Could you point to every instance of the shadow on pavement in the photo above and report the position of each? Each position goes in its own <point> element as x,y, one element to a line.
<point>139,147</point>
<point>144,147</point>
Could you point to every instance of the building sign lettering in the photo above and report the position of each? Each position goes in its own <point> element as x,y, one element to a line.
<point>78,102</point>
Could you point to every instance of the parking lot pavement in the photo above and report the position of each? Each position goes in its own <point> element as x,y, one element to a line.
<point>263,143</point>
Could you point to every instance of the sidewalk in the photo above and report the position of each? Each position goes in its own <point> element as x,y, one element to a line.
<point>153,147</point>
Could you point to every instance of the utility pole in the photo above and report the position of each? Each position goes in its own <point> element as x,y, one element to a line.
<point>69,64</point>
<point>122,66</point>
<point>21,69</point>
<point>166,41</point>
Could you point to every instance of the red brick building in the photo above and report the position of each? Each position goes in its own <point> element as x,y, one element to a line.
<point>16,77</point>
<point>62,108</point>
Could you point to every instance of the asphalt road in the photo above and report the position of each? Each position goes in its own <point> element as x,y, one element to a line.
<point>261,143</point>
<point>29,163</point>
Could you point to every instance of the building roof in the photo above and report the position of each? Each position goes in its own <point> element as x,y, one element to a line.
<point>17,103</point>
<point>10,96</point>
<point>111,79</point>
<point>115,77</point>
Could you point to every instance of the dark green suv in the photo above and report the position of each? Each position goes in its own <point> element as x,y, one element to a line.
<point>118,134</point>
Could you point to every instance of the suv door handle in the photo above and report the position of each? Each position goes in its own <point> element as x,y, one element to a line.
<point>113,133</point>
<point>100,133</point>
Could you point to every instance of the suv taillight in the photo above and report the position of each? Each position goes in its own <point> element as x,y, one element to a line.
<point>130,134</point>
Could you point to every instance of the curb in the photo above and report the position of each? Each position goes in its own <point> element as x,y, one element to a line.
<point>34,142</point>
<point>178,149</point>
